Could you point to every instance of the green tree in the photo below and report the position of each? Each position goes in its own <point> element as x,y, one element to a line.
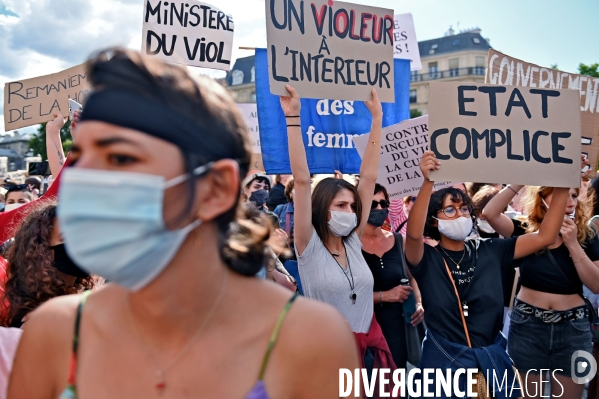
<point>38,141</point>
<point>414,113</point>
<point>589,70</point>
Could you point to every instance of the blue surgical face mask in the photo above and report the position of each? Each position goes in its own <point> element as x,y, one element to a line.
<point>112,224</point>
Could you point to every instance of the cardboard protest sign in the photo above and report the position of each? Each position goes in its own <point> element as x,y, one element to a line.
<point>506,70</point>
<point>250,115</point>
<point>402,145</point>
<point>328,126</point>
<point>328,49</point>
<point>505,134</point>
<point>405,44</point>
<point>32,101</point>
<point>188,32</point>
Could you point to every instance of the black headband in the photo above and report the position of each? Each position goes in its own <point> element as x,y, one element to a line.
<point>136,111</point>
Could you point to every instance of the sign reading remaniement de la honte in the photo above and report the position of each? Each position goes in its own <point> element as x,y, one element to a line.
<point>506,70</point>
<point>505,134</point>
<point>332,50</point>
<point>188,32</point>
<point>31,101</point>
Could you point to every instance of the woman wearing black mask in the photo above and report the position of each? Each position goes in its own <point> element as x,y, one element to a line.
<point>38,267</point>
<point>256,188</point>
<point>383,251</point>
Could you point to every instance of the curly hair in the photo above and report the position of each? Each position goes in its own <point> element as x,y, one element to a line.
<point>535,209</point>
<point>435,205</point>
<point>32,278</point>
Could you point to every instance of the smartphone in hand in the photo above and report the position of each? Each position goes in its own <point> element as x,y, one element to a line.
<point>73,106</point>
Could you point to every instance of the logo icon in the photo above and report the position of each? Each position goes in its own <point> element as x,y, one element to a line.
<point>584,367</point>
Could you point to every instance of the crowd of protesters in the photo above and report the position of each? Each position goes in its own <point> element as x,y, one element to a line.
<point>157,264</point>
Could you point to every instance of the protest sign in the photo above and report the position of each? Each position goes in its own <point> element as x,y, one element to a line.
<point>250,115</point>
<point>505,134</point>
<point>328,126</point>
<point>328,49</point>
<point>188,32</point>
<point>32,101</point>
<point>402,145</point>
<point>506,70</point>
<point>405,44</point>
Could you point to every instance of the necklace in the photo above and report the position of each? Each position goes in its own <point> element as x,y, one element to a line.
<point>352,285</point>
<point>451,259</point>
<point>161,371</point>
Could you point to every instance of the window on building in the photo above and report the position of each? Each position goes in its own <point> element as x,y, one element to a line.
<point>456,42</point>
<point>414,76</point>
<point>479,68</point>
<point>413,95</point>
<point>476,40</point>
<point>433,70</point>
<point>236,77</point>
<point>433,48</point>
<point>454,67</point>
<point>253,77</point>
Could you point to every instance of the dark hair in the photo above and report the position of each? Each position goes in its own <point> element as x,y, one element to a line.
<point>482,198</point>
<point>206,103</point>
<point>36,182</point>
<point>260,179</point>
<point>32,278</point>
<point>289,188</point>
<point>594,197</point>
<point>475,188</point>
<point>322,196</point>
<point>378,188</point>
<point>23,190</point>
<point>436,204</point>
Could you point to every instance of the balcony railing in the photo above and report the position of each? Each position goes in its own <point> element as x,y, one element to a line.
<point>450,73</point>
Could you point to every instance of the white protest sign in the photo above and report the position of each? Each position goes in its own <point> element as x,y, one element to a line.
<point>327,49</point>
<point>250,115</point>
<point>505,134</point>
<point>402,145</point>
<point>188,32</point>
<point>31,101</point>
<point>405,44</point>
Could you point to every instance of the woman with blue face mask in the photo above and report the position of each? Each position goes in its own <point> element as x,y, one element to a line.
<point>151,205</point>
<point>460,279</point>
<point>328,224</point>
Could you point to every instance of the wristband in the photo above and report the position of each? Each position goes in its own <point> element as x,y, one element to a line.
<point>292,116</point>
<point>580,260</point>
<point>293,125</point>
<point>510,187</point>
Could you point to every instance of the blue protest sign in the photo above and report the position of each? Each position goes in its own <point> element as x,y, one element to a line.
<point>328,126</point>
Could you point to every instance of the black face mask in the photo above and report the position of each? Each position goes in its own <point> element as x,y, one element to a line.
<point>259,198</point>
<point>377,217</point>
<point>63,263</point>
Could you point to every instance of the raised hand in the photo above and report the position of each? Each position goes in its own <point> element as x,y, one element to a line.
<point>374,105</point>
<point>427,163</point>
<point>291,104</point>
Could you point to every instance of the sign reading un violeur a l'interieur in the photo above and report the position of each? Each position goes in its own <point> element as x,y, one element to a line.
<point>332,50</point>
<point>188,32</point>
<point>505,134</point>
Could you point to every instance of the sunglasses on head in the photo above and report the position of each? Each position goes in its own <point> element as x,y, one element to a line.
<point>12,187</point>
<point>383,203</point>
<point>413,199</point>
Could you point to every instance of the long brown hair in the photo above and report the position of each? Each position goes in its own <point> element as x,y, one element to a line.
<point>535,210</point>
<point>32,278</point>
<point>322,196</point>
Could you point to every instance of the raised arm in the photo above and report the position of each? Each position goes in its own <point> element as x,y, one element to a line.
<point>54,144</point>
<point>493,212</point>
<point>370,163</point>
<point>302,200</point>
<point>549,228</point>
<point>417,219</point>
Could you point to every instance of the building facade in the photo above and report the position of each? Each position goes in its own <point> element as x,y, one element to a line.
<point>453,57</point>
<point>15,148</point>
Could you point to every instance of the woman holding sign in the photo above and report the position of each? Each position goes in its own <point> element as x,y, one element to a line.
<point>550,320</point>
<point>328,225</point>
<point>151,205</point>
<point>460,279</point>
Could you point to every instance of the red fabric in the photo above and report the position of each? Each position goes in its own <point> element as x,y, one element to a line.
<point>10,220</point>
<point>375,340</point>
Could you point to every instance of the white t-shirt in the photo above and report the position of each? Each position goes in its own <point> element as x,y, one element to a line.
<point>325,280</point>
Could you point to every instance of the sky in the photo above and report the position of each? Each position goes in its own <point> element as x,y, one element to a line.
<point>39,37</point>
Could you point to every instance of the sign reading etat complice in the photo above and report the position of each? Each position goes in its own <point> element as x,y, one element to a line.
<point>330,49</point>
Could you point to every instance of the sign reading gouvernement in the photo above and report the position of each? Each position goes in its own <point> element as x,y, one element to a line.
<point>506,70</point>
<point>32,101</point>
<point>505,134</point>
<point>188,32</point>
<point>329,49</point>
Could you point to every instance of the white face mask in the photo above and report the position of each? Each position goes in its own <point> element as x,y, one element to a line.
<point>485,227</point>
<point>342,223</point>
<point>456,229</point>
<point>10,207</point>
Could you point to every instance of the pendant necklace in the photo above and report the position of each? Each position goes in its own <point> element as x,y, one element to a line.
<point>451,259</point>
<point>161,371</point>
<point>352,285</point>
